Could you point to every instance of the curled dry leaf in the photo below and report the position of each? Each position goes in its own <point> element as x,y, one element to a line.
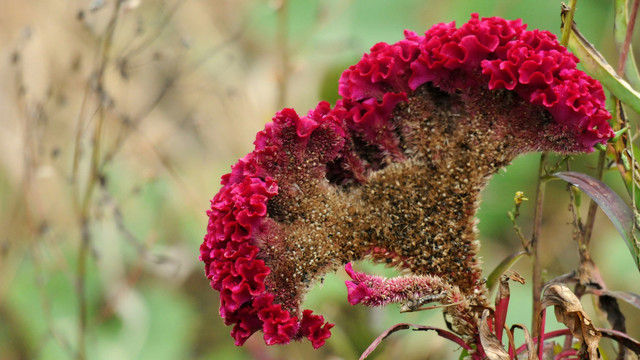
<point>608,304</point>
<point>505,265</point>
<point>531,350</point>
<point>606,300</point>
<point>490,343</point>
<point>569,311</point>
<point>502,300</point>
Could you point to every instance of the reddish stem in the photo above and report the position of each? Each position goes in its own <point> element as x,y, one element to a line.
<point>534,247</point>
<point>627,39</point>
<point>549,335</point>
<point>543,317</point>
<point>566,354</point>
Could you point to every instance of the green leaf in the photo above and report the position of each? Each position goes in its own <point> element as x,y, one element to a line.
<point>463,354</point>
<point>506,264</point>
<point>598,67</point>
<point>613,206</point>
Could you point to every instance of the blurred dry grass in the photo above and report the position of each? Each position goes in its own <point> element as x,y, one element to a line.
<point>121,140</point>
<point>123,134</point>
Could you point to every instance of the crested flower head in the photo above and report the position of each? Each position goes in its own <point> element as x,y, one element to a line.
<point>490,53</point>
<point>392,173</point>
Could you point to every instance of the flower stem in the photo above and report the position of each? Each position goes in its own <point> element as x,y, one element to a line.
<point>534,246</point>
<point>540,342</point>
<point>593,206</point>
<point>568,21</point>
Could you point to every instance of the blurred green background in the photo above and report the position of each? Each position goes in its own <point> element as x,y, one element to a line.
<point>179,91</point>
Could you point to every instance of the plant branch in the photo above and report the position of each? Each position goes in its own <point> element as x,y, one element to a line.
<point>567,13</point>
<point>593,206</point>
<point>535,245</point>
<point>513,216</point>
<point>93,180</point>
<point>624,52</point>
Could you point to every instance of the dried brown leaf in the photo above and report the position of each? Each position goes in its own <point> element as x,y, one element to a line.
<point>531,350</point>
<point>607,300</point>
<point>494,277</point>
<point>569,311</point>
<point>502,300</point>
<point>492,346</point>
<point>615,317</point>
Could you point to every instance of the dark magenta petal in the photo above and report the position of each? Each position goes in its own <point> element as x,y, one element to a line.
<point>356,292</point>
<point>305,126</point>
<point>314,328</point>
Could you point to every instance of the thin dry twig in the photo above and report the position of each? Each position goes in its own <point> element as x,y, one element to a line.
<point>94,178</point>
<point>593,206</point>
<point>513,217</point>
<point>164,20</point>
<point>531,355</point>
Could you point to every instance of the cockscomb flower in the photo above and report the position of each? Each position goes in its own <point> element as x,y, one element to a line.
<point>393,173</point>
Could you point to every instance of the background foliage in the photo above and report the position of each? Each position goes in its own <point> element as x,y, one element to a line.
<point>116,128</point>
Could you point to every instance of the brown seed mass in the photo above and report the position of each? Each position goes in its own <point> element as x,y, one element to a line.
<point>416,214</point>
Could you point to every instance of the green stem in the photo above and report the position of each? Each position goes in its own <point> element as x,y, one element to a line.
<point>535,246</point>
<point>567,21</point>
<point>593,206</point>
<point>537,215</point>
